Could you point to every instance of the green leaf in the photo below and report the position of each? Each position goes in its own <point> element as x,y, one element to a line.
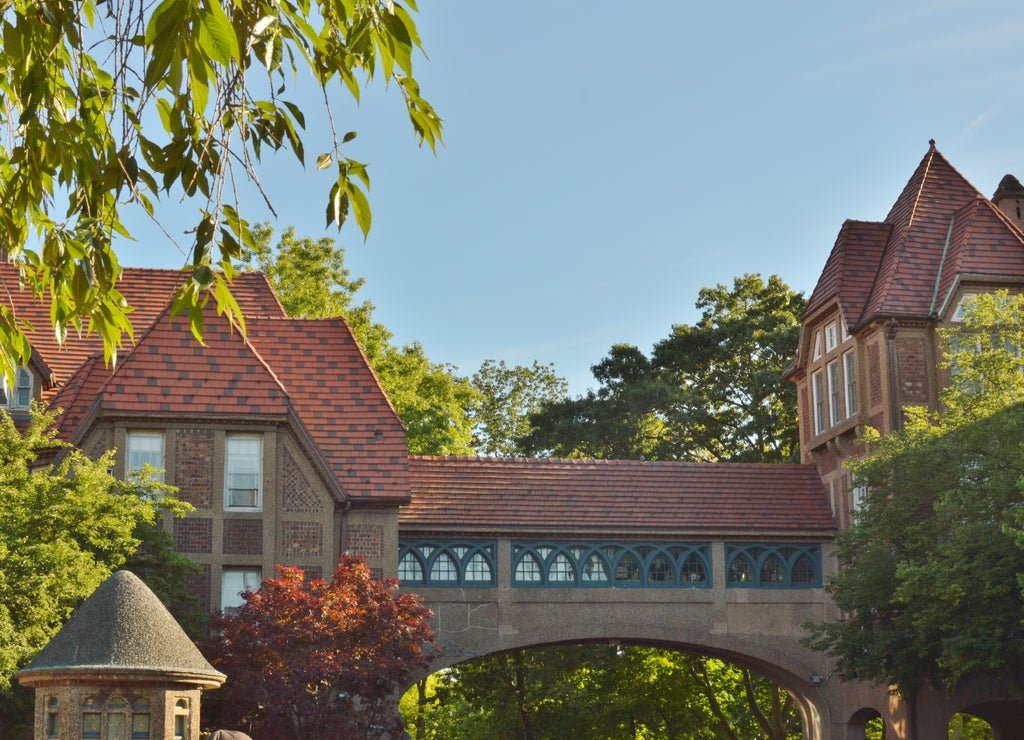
<point>323,161</point>
<point>216,35</point>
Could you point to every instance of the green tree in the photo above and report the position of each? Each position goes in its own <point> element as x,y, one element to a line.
<point>602,692</point>
<point>508,396</point>
<point>64,528</point>
<point>110,104</point>
<point>928,578</point>
<point>311,281</point>
<point>711,391</point>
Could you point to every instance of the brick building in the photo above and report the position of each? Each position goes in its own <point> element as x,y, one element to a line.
<point>868,345</point>
<point>290,452</point>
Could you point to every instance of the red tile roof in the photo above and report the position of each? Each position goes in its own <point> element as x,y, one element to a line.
<point>466,495</point>
<point>147,291</point>
<point>307,372</point>
<point>940,227</point>
<point>340,402</point>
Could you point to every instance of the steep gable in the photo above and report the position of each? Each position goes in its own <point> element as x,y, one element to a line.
<point>146,290</point>
<point>340,402</point>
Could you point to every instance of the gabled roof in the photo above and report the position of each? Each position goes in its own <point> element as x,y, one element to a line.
<point>467,494</point>
<point>340,402</point>
<point>147,292</point>
<point>308,373</point>
<point>939,228</point>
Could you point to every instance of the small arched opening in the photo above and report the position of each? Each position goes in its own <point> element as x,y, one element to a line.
<point>866,724</point>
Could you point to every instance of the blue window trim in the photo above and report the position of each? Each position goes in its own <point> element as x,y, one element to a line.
<point>758,555</point>
<point>427,552</point>
<point>611,555</point>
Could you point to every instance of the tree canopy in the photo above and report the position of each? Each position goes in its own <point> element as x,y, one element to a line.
<point>110,105</point>
<point>64,528</point>
<point>317,658</point>
<point>711,391</point>
<point>600,692</point>
<point>508,395</point>
<point>928,578</point>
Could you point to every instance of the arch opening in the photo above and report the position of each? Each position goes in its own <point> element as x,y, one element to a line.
<point>601,689</point>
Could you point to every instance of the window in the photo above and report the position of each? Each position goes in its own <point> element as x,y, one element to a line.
<point>234,583</point>
<point>20,397</point>
<point>244,467</point>
<point>91,718</point>
<point>181,719</point>
<point>817,345</point>
<point>140,719</point>
<point>961,308</point>
<point>117,719</point>
<point>818,391</point>
<point>52,717</point>
<point>144,448</point>
<point>860,494</point>
<point>833,391</point>
<point>831,337</point>
<point>850,376</point>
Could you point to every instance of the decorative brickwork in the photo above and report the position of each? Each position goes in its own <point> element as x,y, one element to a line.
<point>193,534</point>
<point>100,444</point>
<point>298,496</point>
<point>198,585</point>
<point>312,572</point>
<point>193,472</point>
<point>913,371</point>
<point>377,574</point>
<point>366,540</point>
<point>875,374</point>
<point>243,536</point>
<point>805,412</point>
<point>302,539</point>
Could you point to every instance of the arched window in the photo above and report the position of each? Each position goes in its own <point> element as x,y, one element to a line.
<point>741,570</point>
<point>561,570</point>
<point>627,570</point>
<point>52,717</point>
<point>595,570</point>
<point>410,570</point>
<point>660,570</point>
<point>181,729</point>
<point>117,718</point>
<point>451,563</point>
<point>91,716</point>
<point>140,719</point>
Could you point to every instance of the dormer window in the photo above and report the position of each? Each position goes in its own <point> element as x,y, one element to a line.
<point>20,396</point>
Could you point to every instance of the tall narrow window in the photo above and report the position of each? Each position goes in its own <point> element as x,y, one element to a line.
<point>234,583</point>
<point>833,391</point>
<point>145,448</point>
<point>181,730</point>
<point>850,377</point>
<point>817,345</point>
<point>243,473</point>
<point>818,393</point>
<point>831,337</point>
<point>52,717</point>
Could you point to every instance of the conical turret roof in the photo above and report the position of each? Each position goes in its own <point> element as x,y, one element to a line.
<point>124,629</point>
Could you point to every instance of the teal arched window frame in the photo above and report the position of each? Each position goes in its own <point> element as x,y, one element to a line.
<point>770,565</point>
<point>462,563</point>
<point>546,564</point>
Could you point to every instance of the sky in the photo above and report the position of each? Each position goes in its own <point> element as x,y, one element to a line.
<point>603,161</point>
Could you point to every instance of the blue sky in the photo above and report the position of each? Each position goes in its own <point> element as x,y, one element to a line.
<point>605,160</point>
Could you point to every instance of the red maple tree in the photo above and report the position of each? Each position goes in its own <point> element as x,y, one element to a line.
<point>312,659</point>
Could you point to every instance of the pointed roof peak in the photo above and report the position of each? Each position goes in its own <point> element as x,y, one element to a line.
<point>122,628</point>
<point>1009,187</point>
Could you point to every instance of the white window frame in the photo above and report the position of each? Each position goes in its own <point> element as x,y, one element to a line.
<point>831,337</point>
<point>817,345</point>
<point>236,581</point>
<point>142,448</point>
<point>832,373</point>
<point>243,472</point>
<point>818,401</point>
<point>850,380</point>
<point>20,396</point>
<point>859,496</point>
<point>960,312</point>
